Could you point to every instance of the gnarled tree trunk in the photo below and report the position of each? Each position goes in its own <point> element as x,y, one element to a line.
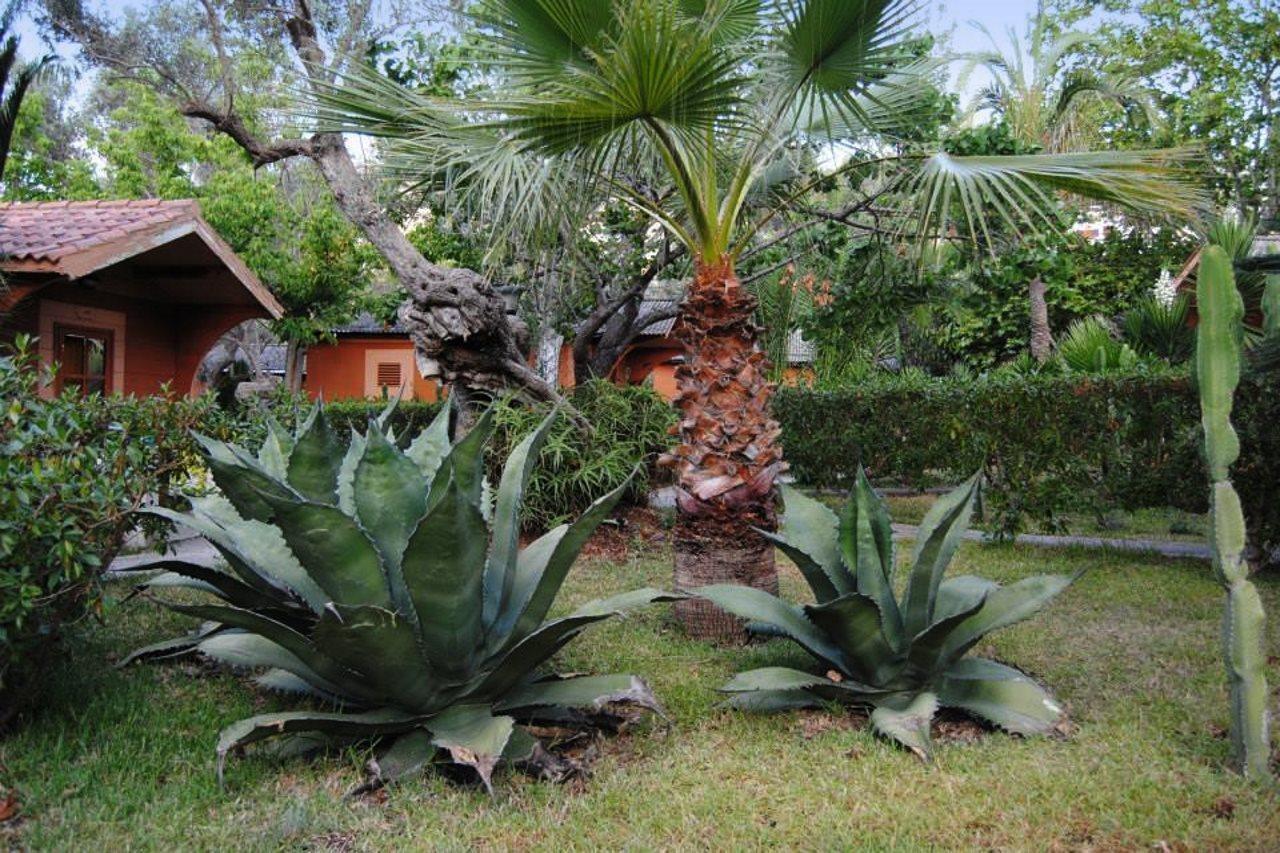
<point>729,455</point>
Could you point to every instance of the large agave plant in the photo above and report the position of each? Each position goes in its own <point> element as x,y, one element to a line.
<point>902,656</point>
<point>377,578</point>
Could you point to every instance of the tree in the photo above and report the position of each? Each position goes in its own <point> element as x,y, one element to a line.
<point>1044,94</point>
<point>281,221</point>
<point>16,78</point>
<point>1215,67</point>
<point>226,63</point>
<point>715,97</point>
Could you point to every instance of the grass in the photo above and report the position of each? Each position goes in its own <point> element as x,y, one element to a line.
<point>1152,523</point>
<point>124,759</point>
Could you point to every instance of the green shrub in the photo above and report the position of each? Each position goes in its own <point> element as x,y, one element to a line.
<point>1050,444</point>
<point>72,471</point>
<point>630,426</point>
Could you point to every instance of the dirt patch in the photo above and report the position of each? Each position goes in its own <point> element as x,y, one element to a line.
<point>631,530</point>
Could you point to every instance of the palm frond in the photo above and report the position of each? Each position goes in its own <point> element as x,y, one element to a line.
<point>837,56</point>
<point>949,193</point>
<point>542,40</point>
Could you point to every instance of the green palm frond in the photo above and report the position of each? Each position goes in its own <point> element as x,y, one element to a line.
<point>542,40</point>
<point>948,193</point>
<point>837,57</point>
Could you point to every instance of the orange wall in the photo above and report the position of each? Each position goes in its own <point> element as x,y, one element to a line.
<point>336,371</point>
<point>650,360</point>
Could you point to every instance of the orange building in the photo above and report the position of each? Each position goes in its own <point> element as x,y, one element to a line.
<point>125,296</point>
<point>367,359</point>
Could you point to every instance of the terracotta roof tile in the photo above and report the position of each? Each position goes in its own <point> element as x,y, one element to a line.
<point>48,231</point>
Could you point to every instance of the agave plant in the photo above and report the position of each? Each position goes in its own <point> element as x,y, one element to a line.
<point>902,656</point>
<point>377,579</point>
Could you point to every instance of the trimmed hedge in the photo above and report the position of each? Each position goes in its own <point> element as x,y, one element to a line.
<point>1050,445</point>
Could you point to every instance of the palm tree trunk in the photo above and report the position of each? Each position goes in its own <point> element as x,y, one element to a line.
<point>1041,335</point>
<point>729,455</point>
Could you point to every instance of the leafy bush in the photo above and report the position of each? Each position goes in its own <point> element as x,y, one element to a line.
<point>902,656</point>
<point>382,582</point>
<point>1160,330</point>
<point>629,424</point>
<point>1091,346</point>
<point>72,471</point>
<point>1050,444</point>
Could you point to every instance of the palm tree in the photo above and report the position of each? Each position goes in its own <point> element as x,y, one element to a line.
<point>1045,102</point>
<point>1043,98</point>
<point>15,79</point>
<point>711,95</point>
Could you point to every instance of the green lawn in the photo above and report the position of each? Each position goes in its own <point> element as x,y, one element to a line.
<point>124,759</point>
<point>1151,523</point>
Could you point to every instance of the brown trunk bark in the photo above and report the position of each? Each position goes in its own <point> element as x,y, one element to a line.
<point>1041,335</point>
<point>293,355</point>
<point>729,455</point>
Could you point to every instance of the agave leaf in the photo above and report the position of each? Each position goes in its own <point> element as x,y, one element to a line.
<point>240,479</point>
<point>473,736</point>
<point>866,543</point>
<point>808,535</point>
<point>854,623</point>
<point>924,654</point>
<point>383,647</point>
<point>514,664</point>
<point>465,463</point>
<point>174,647</point>
<point>283,636</point>
<point>384,417</point>
<point>772,678</point>
<point>584,691</point>
<point>431,446</point>
<point>390,496</point>
<point>337,552</point>
<point>244,649</point>
<point>521,747</point>
<point>758,606</point>
<point>771,701</point>
<point>500,570</point>
<point>206,578</point>
<point>273,456</point>
<point>1003,607</point>
<point>940,534</point>
<point>1000,694</point>
<point>347,473</point>
<point>240,734</point>
<point>443,570</point>
<point>317,456</point>
<point>961,593</point>
<point>407,757</point>
<point>253,550</point>
<point>283,681</point>
<point>542,567</point>
<point>906,719</point>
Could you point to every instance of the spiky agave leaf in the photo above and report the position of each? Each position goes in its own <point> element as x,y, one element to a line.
<point>372,578</point>
<point>901,659</point>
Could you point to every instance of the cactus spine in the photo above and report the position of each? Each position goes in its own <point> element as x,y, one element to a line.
<point>1218,357</point>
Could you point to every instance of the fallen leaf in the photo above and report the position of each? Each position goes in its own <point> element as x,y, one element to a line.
<point>9,807</point>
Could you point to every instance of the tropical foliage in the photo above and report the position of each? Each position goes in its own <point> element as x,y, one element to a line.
<point>384,582</point>
<point>901,655</point>
<point>713,106</point>
<point>72,471</point>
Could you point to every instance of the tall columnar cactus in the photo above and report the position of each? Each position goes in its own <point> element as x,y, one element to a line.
<point>1218,357</point>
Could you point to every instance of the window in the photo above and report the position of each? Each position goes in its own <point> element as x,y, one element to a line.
<point>84,358</point>
<point>389,375</point>
<point>387,371</point>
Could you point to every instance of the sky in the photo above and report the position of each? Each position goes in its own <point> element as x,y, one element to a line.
<point>941,17</point>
